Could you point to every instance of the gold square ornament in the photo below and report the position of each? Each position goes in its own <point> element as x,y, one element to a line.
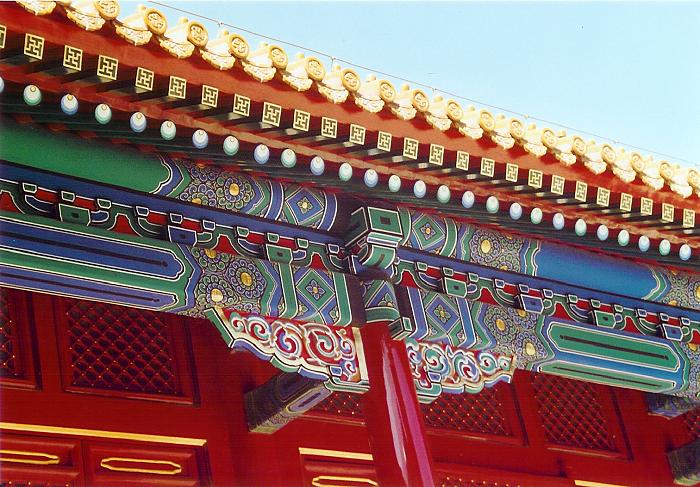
<point>107,67</point>
<point>384,141</point>
<point>603,197</point>
<point>357,134</point>
<point>581,191</point>
<point>72,58</point>
<point>488,167</point>
<point>646,206</point>
<point>177,87</point>
<point>557,186</point>
<point>241,105</point>
<point>535,178</point>
<point>667,213</point>
<point>33,46</point>
<point>436,154</point>
<point>3,35</point>
<point>688,218</point>
<point>302,120</point>
<point>272,114</point>
<point>626,202</point>
<point>512,171</point>
<point>329,127</point>
<point>210,96</point>
<point>410,148</point>
<point>144,79</point>
<point>462,160</point>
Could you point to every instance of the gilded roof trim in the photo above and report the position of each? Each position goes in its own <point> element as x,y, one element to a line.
<point>339,85</point>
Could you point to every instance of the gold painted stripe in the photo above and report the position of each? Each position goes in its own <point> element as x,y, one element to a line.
<point>31,457</point>
<point>317,481</point>
<point>335,453</point>
<point>60,430</point>
<point>587,483</point>
<point>106,463</point>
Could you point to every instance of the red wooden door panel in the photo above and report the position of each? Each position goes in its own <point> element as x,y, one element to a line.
<point>148,398</point>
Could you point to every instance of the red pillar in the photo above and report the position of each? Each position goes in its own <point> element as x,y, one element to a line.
<point>392,414</point>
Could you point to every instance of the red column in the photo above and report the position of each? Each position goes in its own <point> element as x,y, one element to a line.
<point>392,414</point>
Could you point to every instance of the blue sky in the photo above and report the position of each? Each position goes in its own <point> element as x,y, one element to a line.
<point>626,71</point>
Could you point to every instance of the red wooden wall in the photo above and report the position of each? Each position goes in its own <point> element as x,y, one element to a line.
<point>129,375</point>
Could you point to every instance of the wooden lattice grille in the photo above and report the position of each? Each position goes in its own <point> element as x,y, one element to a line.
<point>456,481</point>
<point>341,404</point>
<point>12,483</point>
<point>474,413</point>
<point>121,349</point>
<point>8,338</point>
<point>480,413</point>
<point>692,422</point>
<point>571,413</point>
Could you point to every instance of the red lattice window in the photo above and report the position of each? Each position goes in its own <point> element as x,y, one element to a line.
<point>342,404</point>
<point>129,351</point>
<point>475,413</point>
<point>34,483</point>
<point>490,412</point>
<point>8,339</point>
<point>692,422</point>
<point>572,414</point>
<point>16,335</point>
<point>455,481</point>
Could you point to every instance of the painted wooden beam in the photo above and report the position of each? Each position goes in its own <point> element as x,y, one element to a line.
<point>685,464</point>
<point>281,400</point>
<point>670,406</point>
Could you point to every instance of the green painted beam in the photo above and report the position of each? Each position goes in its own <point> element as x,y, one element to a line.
<point>75,157</point>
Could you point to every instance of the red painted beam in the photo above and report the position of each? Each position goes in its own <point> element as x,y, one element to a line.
<point>392,414</point>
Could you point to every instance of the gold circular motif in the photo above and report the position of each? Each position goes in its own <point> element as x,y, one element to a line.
<point>486,121</point>
<point>108,9</point>
<point>549,138</point>
<point>530,349</point>
<point>350,80</point>
<point>246,279</point>
<point>693,346</point>
<point>211,253</point>
<point>517,129</point>
<point>673,302</point>
<point>238,46</point>
<point>197,201</point>
<point>697,292</point>
<point>216,295</point>
<point>155,21</point>
<point>420,101</point>
<point>500,324</point>
<point>578,146</point>
<point>454,111</point>
<point>279,57</point>
<point>234,189</point>
<point>666,170</point>
<point>608,154</point>
<point>637,162</point>
<point>386,91</point>
<point>486,246</point>
<point>522,313</point>
<point>315,69</point>
<point>197,34</point>
<point>503,267</point>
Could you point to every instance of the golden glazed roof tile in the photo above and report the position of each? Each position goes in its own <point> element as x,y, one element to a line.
<point>342,85</point>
